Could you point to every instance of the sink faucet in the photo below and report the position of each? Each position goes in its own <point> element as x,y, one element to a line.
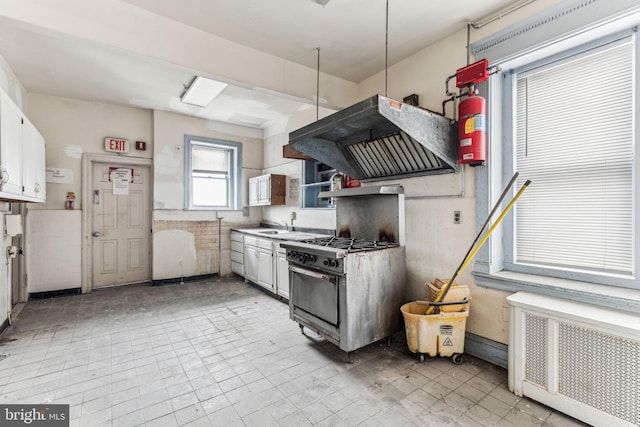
<point>286,226</point>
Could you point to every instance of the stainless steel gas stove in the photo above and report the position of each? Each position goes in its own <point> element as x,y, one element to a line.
<point>349,290</point>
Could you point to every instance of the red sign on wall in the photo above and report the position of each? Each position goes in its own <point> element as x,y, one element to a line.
<point>116,145</point>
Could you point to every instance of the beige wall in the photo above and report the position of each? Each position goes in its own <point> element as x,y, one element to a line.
<point>179,247</point>
<point>72,127</point>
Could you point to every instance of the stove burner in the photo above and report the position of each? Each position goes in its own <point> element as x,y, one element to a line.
<point>350,244</point>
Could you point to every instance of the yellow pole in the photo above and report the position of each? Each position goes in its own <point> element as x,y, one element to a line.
<point>445,289</point>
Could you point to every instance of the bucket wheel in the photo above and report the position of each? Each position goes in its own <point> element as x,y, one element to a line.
<point>456,358</point>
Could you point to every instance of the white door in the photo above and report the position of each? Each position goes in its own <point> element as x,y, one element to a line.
<point>121,230</point>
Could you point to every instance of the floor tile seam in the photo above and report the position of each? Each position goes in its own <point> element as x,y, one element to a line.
<point>501,416</point>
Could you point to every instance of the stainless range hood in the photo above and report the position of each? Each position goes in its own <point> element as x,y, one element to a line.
<point>381,138</point>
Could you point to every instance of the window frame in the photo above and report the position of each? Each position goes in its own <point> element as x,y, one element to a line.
<point>494,266</point>
<point>312,183</point>
<point>508,90</point>
<point>234,180</point>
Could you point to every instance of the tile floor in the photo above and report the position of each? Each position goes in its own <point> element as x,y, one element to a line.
<point>224,353</point>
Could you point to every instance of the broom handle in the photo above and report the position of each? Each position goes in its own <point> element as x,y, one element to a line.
<point>484,226</point>
<point>443,293</point>
<point>486,222</point>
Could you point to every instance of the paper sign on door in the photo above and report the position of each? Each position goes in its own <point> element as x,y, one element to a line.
<point>120,179</point>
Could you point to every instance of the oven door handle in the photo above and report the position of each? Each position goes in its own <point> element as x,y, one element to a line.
<point>311,273</point>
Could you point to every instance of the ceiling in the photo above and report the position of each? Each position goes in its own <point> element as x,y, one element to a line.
<point>349,33</point>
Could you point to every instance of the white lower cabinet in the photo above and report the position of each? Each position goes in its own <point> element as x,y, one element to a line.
<point>251,258</point>
<point>258,261</point>
<point>261,261</point>
<point>282,272</point>
<point>265,264</point>
<point>237,253</point>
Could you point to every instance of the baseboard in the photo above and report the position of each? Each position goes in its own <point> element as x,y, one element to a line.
<point>177,280</point>
<point>488,350</point>
<point>52,294</point>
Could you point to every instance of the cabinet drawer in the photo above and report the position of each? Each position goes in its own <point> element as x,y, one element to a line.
<point>236,267</point>
<point>251,241</point>
<point>236,246</point>
<point>237,257</point>
<point>236,237</point>
<point>265,244</point>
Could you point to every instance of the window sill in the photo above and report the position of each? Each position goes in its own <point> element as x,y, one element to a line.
<point>606,296</point>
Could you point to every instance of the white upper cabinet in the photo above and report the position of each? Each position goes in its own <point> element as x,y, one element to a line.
<point>10,146</point>
<point>22,156</point>
<point>267,190</point>
<point>34,168</point>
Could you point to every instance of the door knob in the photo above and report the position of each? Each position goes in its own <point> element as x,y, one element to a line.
<point>97,234</point>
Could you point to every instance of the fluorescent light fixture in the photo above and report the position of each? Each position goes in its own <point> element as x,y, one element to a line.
<point>202,91</point>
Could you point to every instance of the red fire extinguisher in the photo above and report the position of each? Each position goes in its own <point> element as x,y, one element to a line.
<point>472,132</point>
<point>472,115</point>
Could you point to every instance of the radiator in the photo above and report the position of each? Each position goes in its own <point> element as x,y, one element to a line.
<point>577,358</point>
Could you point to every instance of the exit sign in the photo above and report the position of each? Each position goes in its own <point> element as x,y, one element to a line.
<point>116,145</point>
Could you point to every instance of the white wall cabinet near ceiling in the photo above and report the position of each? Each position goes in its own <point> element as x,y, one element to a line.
<point>267,190</point>
<point>33,166</point>
<point>22,156</point>
<point>10,146</point>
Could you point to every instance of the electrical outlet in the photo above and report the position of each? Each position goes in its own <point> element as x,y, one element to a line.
<point>457,217</point>
<point>245,211</point>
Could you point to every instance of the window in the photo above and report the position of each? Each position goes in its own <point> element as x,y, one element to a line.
<point>573,121</point>
<point>563,113</point>
<point>316,177</point>
<point>213,169</point>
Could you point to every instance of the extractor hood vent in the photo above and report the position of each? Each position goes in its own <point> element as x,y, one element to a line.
<point>380,138</point>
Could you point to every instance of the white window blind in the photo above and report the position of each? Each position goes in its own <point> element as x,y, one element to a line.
<point>574,141</point>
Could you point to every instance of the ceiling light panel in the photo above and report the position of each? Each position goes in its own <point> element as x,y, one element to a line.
<point>202,91</point>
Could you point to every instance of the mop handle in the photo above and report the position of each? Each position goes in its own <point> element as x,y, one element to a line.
<point>482,241</point>
<point>484,227</point>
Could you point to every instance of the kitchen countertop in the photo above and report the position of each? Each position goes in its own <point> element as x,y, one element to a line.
<point>279,234</point>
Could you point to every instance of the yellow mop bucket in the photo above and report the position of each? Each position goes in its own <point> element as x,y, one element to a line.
<point>435,334</point>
